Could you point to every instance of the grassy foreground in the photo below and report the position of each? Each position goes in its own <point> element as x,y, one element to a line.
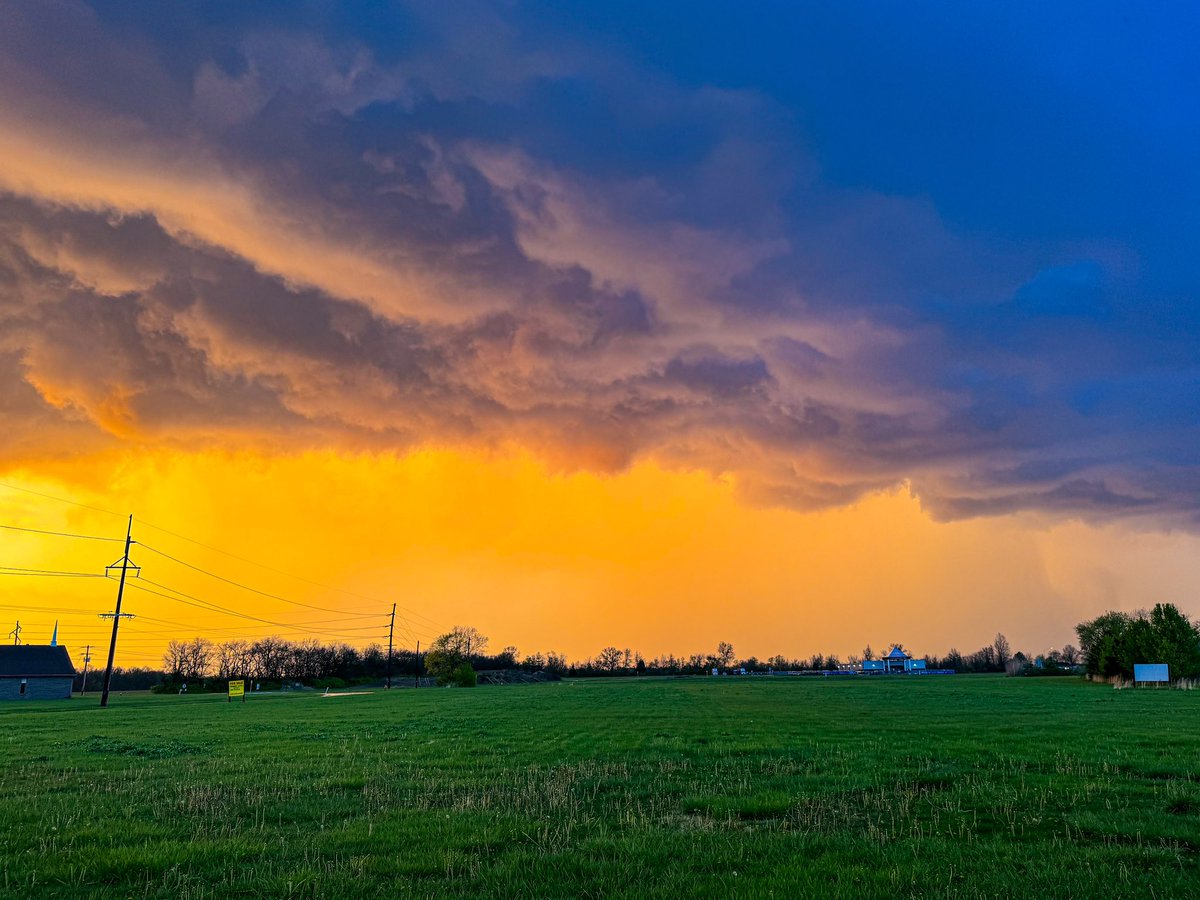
<point>958,786</point>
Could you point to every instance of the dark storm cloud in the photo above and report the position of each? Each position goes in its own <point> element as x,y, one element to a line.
<point>829,253</point>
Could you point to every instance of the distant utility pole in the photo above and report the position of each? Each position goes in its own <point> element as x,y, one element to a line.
<point>15,634</point>
<point>87,658</point>
<point>391,628</point>
<point>417,677</point>
<point>116,614</point>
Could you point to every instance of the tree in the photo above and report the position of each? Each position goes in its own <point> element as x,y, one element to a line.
<point>724,655</point>
<point>450,651</point>
<point>175,659</point>
<point>1069,655</point>
<point>1113,643</point>
<point>1177,641</point>
<point>1003,650</point>
<point>507,658</point>
<point>233,659</point>
<point>609,659</point>
<point>868,653</point>
<point>188,660</point>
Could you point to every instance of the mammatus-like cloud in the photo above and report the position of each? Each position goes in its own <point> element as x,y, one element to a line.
<point>301,230</point>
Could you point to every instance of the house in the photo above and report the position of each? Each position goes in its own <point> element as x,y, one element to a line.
<point>35,672</point>
<point>874,665</point>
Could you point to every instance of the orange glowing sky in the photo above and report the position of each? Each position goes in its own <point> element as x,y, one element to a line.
<point>662,561</point>
<point>583,342</point>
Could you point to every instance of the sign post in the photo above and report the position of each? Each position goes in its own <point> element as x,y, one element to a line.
<point>237,689</point>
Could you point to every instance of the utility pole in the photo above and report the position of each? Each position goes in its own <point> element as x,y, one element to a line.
<point>391,628</point>
<point>15,634</point>
<point>417,677</point>
<point>87,658</point>
<point>116,614</point>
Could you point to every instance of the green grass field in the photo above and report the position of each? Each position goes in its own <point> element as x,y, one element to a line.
<point>958,786</point>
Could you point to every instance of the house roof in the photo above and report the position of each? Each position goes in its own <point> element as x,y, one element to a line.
<point>35,660</point>
<point>897,653</point>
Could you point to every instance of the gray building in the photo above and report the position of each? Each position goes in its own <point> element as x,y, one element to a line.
<point>35,672</point>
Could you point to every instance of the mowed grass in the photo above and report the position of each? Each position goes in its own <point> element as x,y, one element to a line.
<point>956,786</point>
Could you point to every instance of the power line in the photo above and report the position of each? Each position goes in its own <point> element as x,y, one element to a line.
<point>210,606</point>
<point>21,570</point>
<point>107,512</point>
<point>70,534</point>
<point>238,584</point>
<point>252,562</point>
<point>413,613</point>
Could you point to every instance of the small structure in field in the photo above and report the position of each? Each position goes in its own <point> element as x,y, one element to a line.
<point>35,672</point>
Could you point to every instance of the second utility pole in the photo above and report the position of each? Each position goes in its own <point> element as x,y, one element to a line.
<point>112,644</point>
<point>391,628</point>
<point>87,658</point>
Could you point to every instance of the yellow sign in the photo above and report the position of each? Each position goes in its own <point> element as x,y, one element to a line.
<point>237,689</point>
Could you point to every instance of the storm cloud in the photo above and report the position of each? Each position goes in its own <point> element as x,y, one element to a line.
<point>602,236</point>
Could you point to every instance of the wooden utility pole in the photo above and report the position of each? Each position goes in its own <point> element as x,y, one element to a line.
<point>15,634</point>
<point>116,616</point>
<point>87,658</point>
<point>391,628</point>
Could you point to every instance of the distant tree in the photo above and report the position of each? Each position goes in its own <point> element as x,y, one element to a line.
<point>641,666</point>
<point>1069,655</point>
<point>724,654</point>
<point>175,658</point>
<point>609,659</point>
<point>1113,643</point>
<point>868,653</point>
<point>1177,641</point>
<point>233,659</point>
<point>507,658</point>
<point>268,658</point>
<point>1100,641</point>
<point>449,652</point>
<point>1003,650</point>
<point>627,659</point>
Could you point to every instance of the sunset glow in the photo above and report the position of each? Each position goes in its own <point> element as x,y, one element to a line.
<point>583,341</point>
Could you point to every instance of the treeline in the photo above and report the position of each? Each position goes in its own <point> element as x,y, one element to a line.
<point>274,660</point>
<point>1115,642</point>
<point>1110,645</point>
<point>996,657</point>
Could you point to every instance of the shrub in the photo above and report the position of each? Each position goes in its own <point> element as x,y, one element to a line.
<point>463,676</point>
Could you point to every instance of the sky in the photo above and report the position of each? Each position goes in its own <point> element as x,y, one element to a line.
<point>801,326</point>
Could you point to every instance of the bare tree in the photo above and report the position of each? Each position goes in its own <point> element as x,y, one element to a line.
<point>1003,650</point>
<point>233,659</point>
<point>1069,655</point>
<point>175,658</point>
